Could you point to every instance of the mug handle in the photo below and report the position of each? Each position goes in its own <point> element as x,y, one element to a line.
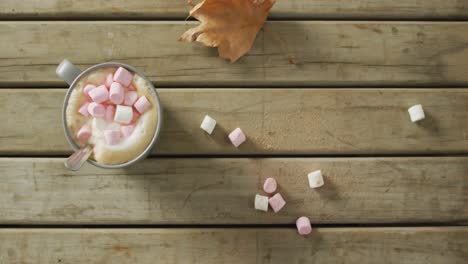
<point>67,71</point>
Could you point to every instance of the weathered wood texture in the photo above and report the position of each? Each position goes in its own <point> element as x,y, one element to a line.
<point>312,9</point>
<point>276,121</point>
<point>326,245</point>
<point>222,191</point>
<point>327,53</point>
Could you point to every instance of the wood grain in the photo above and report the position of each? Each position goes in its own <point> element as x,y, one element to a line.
<point>276,121</point>
<point>309,9</point>
<point>210,246</point>
<point>326,53</point>
<point>222,191</point>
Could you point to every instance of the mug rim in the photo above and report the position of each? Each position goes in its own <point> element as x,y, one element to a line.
<point>157,131</point>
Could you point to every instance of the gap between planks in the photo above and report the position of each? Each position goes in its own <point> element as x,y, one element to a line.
<point>292,9</point>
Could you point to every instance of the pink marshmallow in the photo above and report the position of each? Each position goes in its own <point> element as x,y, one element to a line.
<point>303,226</point>
<point>87,89</point>
<point>84,109</point>
<point>276,202</point>
<point>237,137</point>
<point>136,115</point>
<point>142,104</point>
<point>96,110</point>
<point>110,112</point>
<point>116,93</point>
<point>100,94</point>
<point>130,98</point>
<point>127,130</point>
<point>270,185</point>
<point>112,137</point>
<point>123,76</point>
<point>83,134</point>
<point>109,81</point>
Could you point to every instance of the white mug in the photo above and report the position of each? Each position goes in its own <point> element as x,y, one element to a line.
<point>71,74</point>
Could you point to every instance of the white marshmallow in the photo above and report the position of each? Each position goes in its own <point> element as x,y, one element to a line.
<point>208,124</point>
<point>315,179</point>
<point>113,126</point>
<point>261,202</point>
<point>98,125</point>
<point>416,113</point>
<point>123,114</point>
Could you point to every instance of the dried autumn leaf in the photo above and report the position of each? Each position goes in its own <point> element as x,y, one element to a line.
<point>230,25</point>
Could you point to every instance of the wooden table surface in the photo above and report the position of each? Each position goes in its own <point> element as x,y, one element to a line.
<point>395,191</point>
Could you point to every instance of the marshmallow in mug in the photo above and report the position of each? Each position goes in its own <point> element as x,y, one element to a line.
<point>84,109</point>
<point>127,130</point>
<point>99,94</point>
<point>116,93</point>
<point>96,110</point>
<point>123,114</point>
<point>123,76</point>
<point>130,98</point>
<point>142,104</point>
<point>84,133</point>
<point>115,105</point>
<point>112,137</point>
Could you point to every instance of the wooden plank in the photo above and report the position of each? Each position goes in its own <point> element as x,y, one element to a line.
<point>326,245</point>
<point>311,9</point>
<point>276,121</point>
<point>222,191</point>
<point>326,53</point>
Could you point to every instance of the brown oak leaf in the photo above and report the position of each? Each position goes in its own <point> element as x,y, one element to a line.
<point>230,25</point>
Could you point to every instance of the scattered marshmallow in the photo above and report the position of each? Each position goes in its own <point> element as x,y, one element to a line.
<point>83,134</point>
<point>303,226</point>
<point>109,81</point>
<point>123,114</point>
<point>270,185</point>
<point>84,109</point>
<point>416,113</point>
<point>315,179</point>
<point>237,137</point>
<point>112,137</point>
<point>110,112</point>
<point>130,97</point>
<point>127,130</point>
<point>277,202</point>
<point>261,202</point>
<point>116,93</point>
<point>142,104</point>
<point>96,110</point>
<point>208,124</point>
<point>123,76</point>
<point>100,94</point>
